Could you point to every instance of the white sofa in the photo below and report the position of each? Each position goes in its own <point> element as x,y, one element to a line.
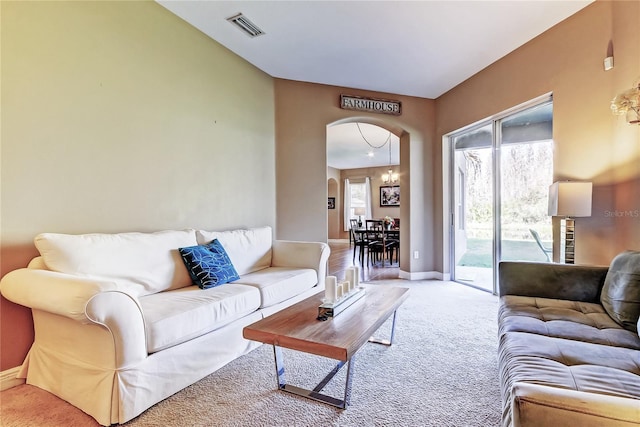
<point>119,326</point>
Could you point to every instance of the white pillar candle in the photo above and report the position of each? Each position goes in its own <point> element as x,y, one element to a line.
<point>339,291</point>
<point>349,277</point>
<point>330,285</point>
<point>356,277</point>
<point>346,287</point>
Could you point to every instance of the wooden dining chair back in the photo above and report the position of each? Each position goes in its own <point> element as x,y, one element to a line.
<point>393,237</point>
<point>353,226</point>
<point>374,224</point>
<point>361,243</point>
<point>378,247</point>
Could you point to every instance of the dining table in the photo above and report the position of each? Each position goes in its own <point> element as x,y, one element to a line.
<point>385,233</point>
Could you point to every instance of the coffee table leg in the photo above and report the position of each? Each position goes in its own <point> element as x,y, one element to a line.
<point>315,393</point>
<point>277,353</point>
<point>347,387</point>
<point>393,330</point>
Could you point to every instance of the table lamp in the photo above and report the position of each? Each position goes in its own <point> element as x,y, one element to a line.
<point>568,199</point>
<point>359,212</point>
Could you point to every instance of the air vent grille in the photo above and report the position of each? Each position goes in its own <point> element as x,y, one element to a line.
<point>248,27</point>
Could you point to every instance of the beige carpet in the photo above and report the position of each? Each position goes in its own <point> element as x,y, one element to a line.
<point>442,371</point>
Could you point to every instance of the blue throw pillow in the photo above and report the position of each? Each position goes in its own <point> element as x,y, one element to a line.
<point>208,265</point>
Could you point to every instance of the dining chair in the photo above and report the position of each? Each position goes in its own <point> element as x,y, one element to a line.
<point>373,224</point>
<point>359,242</point>
<point>378,246</point>
<point>393,237</point>
<point>353,226</point>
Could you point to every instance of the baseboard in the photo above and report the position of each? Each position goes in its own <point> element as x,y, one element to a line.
<point>9,378</point>
<point>338,240</point>
<point>422,275</point>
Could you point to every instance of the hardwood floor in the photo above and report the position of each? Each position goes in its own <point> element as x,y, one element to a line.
<point>341,258</point>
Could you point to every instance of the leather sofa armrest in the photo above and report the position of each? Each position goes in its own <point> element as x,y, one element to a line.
<point>313,255</point>
<point>535,405</point>
<point>548,280</point>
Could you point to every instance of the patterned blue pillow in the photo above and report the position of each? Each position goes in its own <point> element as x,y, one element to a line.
<point>208,265</point>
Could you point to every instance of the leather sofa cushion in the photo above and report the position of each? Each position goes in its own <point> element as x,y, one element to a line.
<point>180,315</point>
<point>277,284</point>
<point>567,364</point>
<point>579,321</point>
<point>621,292</point>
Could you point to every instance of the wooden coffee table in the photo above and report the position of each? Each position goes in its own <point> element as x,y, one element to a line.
<point>339,338</point>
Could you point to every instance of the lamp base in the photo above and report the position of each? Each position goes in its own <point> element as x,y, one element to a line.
<point>568,240</point>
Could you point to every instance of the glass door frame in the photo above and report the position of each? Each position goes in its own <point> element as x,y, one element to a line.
<point>449,169</point>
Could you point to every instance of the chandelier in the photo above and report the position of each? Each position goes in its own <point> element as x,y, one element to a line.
<point>628,103</point>
<point>390,177</point>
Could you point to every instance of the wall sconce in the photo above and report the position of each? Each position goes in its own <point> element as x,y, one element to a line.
<point>628,104</point>
<point>390,177</point>
<point>569,200</point>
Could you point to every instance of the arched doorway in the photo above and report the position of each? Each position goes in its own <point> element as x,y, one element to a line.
<point>363,152</point>
<point>386,145</point>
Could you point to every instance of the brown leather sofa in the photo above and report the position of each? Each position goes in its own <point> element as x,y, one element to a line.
<point>569,350</point>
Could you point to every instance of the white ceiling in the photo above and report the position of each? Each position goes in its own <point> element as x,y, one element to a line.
<point>415,48</point>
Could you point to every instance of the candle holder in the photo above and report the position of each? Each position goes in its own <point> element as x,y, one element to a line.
<point>332,309</point>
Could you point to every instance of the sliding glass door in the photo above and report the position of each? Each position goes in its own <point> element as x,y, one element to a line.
<point>502,170</point>
<point>474,200</point>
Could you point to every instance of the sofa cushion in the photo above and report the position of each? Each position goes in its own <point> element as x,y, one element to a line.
<point>138,263</point>
<point>249,250</point>
<point>209,265</point>
<point>621,292</point>
<point>567,364</point>
<point>180,315</point>
<point>277,284</point>
<point>580,321</point>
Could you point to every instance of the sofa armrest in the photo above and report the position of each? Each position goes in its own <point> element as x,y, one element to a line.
<point>313,255</point>
<point>122,315</point>
<point>539,405</point>
<point>84,300</point>
<point>53,292</point>
<point>547,280</point>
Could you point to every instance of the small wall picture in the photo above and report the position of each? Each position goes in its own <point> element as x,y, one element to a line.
<point>332,203</point>
<point>389,195</point>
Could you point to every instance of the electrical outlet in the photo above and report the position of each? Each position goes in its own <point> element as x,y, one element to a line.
<point>416,254</point>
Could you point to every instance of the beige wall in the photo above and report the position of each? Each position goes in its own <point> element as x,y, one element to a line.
<point>119,116</point>
<point>590,143</point>
<point>303,112</point>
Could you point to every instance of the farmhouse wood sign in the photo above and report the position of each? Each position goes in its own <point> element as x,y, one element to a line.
<point>372,105</point>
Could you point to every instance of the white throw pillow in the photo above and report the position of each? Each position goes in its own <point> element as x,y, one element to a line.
<point>139,263</point>
<point>249,250</point>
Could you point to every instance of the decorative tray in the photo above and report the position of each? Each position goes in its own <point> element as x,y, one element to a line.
<point>328,309</point>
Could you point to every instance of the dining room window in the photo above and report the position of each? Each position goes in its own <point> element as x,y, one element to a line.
<point>358,200</point>
<point>357,203</point>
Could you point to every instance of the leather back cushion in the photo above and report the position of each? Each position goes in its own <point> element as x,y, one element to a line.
<point>621,292</point>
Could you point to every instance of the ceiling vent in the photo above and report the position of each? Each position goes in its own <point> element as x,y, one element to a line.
<point>248,27</point>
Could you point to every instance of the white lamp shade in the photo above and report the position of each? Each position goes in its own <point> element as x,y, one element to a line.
<point>570,199</point>
<point>358,211</point>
